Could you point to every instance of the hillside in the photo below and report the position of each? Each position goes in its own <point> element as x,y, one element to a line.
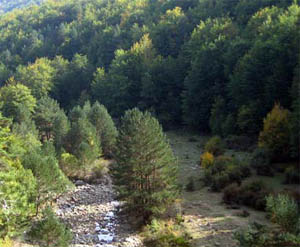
<point>9,5</point>
<point>149,123</point>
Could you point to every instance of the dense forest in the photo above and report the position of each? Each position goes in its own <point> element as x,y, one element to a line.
<point>69,71</point>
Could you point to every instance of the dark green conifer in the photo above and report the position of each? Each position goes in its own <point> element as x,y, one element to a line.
<point>146,168</point>
<point>105,127</point>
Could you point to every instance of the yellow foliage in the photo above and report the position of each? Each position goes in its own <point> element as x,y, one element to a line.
<point>276,131</point>
<point>207,159</point>
<point>6,242</point>
<point>69,164</point>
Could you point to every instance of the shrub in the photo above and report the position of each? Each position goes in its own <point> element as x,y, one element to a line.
<point>258,235</point>
<point>275,135</point>
<point>253,194</point>
<point>17,197</point>
<point>231,194</point>
<point>292,175</point>
<point>246,119</point>
<point>166,234</point>
<point>284,211</point>
<point>219,181</point>
<point>215,146</point>
<point>69,164</point>
<point>239,143</point>
<point>261,162</point>
<point>6,242</point>
<point>206,160</point>
<point>190,185</point>
<point>250,194</point>
<point>50,232</point>
<point>224,171</point>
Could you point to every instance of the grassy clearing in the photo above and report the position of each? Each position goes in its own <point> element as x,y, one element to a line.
<point>207,219</point>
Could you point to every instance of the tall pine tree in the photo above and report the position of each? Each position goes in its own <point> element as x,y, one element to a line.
<point>146,168</point>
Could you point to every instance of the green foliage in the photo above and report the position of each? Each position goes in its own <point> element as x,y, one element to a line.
<point>51,121</point>
<point>284,212</point>
<point>105,127</point>
<point>190,186</point>
<point>276,132</point>
<point>215,146</point>
<point>16,100</point>
<point>261,162</point>
<point>18,192</point>
<point>37,76</point>
<point>165,234</point>
<point>217,116</point>
<point>292,175</point>
<point>82,141</point>
<point>17,188</point>
<point>258,235</point>
<point>49,231</point>
<point>239,143</point>
<point>252,194</point>
<point>6,242</point>
<point>225,170</point>
<point>146,169</point>
<point>51,182</point>
<point>246,120</point>
<point>173,58</point>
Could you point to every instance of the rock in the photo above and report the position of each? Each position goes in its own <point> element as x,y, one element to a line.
<point>106,238</point>
<point>79,183</point>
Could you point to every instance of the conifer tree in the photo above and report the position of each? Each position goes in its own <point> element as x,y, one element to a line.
<point>82,141</point>
<point>105,127</point>
<point>17,186</point>
<point>146,168</point>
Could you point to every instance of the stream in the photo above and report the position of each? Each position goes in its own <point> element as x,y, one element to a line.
<point>95,216</point>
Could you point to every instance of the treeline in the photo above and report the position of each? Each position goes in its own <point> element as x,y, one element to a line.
<point>9,5</point>
<point>214,65</point>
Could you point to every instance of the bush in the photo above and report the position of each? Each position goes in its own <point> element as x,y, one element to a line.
<point>231,194</point>
<point>275,135</point>
<point>166,234</point>
<point>17,197</point>
<point>284,211</point>
<point>206,160</point>
<point>50,232</point>
<point>224,171</point>
<point>6,242</point>
<point>258,235</point>
<point>219,181</point>
<point>253,194</point>
<point>190,185</point>
<point>239,143</point>
<point>292,175</point>
<point>261,162</point>
<point>215,146</point>
<point>250,194</point>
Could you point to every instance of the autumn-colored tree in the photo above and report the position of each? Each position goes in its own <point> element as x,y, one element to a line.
<point>276,132</point>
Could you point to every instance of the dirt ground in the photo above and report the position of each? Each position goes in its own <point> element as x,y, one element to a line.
<point>206,218</point>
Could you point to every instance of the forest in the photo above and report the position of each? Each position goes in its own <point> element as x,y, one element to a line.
<point>125,97</point>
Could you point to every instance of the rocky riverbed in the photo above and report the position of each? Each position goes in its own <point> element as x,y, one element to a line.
<point>95,218</point>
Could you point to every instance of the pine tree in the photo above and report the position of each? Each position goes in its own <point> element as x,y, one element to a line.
<point>51,181</point>
<point>50,232</point>
<point>17,186</point>
<point>82,141</point>
<point>146,168</point>
<point>105,127</point>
